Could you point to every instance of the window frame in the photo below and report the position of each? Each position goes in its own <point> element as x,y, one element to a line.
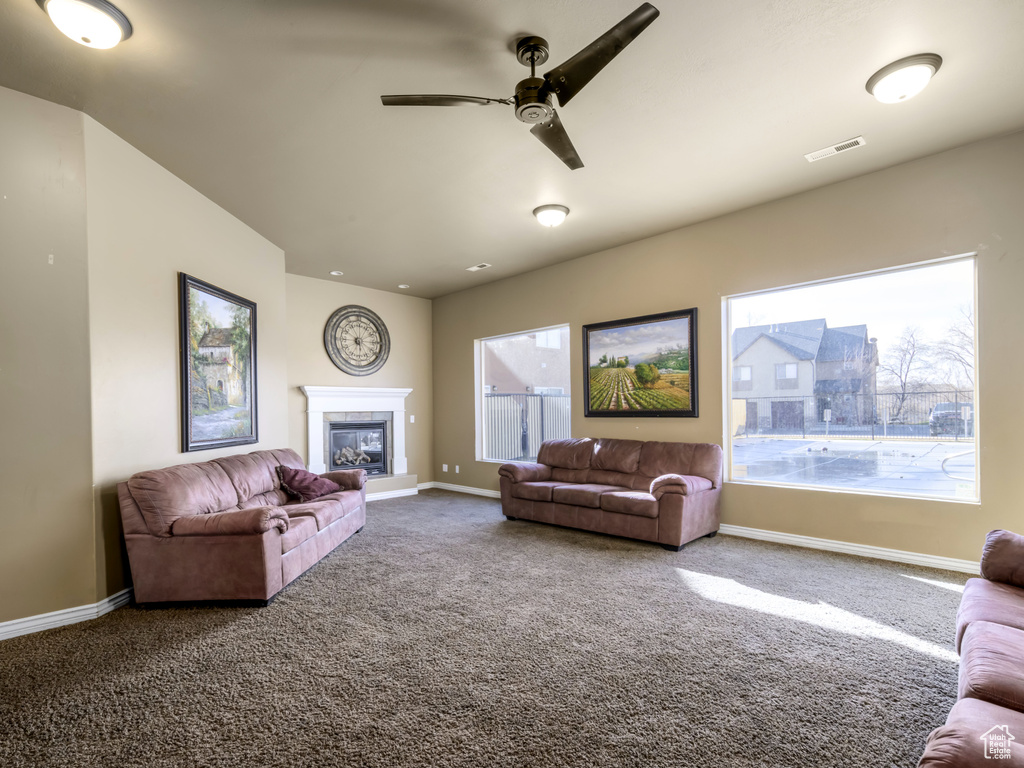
<point>479,438</point>
<point>729,428</point>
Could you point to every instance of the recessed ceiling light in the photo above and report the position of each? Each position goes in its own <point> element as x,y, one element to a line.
<point>93,23</point>
<point>551,215</point>
<point>903,79</point>
<point>403,285</point>
<point>337,272</point>
<point>478,267</point>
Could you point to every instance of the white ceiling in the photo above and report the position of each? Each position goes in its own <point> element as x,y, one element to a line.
<point>272,110</point>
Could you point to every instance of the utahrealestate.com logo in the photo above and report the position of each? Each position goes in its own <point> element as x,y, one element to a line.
<point>998,740</point>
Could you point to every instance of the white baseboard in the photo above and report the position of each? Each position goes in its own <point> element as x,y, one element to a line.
<point>30,624</point>
<point>391,494</point>
<point>861,550</point>
<point>462,489</point>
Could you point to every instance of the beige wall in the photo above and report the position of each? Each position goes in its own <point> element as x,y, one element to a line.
<point>968,199</point>
<point>310,304</point>
<point>145,225</point>
<point>45,468</point>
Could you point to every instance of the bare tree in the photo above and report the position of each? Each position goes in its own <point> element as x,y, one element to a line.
<point>898,366</point>
<point>956,350</point>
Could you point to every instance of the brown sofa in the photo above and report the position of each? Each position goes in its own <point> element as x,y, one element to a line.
<point>225,530</point>
<point>667,493</point>
<point>990,639</point>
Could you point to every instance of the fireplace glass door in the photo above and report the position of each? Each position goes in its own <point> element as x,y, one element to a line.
<point>360,445</point>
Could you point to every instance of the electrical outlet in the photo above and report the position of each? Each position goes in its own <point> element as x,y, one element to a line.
<point>412,419</point>
<point>444,467</point>
<point>456,469</point>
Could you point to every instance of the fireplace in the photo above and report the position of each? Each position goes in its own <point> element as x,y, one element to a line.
<point>359,445</point>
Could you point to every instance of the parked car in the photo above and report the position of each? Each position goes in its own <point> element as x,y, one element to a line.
<point>948,419</point>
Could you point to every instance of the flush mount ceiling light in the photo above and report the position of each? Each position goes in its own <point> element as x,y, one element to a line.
<point>903,79</point>
<point>551,215</point>
<point>94,23</point>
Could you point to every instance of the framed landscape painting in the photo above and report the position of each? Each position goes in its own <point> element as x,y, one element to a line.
<point>642,366</point>
<point>218,366</point>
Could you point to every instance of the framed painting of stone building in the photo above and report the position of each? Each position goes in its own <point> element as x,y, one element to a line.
<point>218,366</point>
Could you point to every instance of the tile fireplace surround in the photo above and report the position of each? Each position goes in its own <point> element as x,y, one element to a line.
<point>321,400</point>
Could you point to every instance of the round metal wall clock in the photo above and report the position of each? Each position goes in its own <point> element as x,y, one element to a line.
<point>357,340</point>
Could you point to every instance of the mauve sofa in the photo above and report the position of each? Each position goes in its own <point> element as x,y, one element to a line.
<point>990,639</point>
<point>225,530</point>
<point>667,493</point>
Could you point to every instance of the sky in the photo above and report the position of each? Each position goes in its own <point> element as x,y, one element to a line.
<point>638,340</point>
<point>220,309</point>
<point>928,298</point>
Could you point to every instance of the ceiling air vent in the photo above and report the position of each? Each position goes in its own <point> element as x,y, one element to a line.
<point>478,267</point>
<point>835,149</point>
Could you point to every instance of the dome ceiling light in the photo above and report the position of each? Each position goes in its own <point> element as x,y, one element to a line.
<point>551,215</point>
<point>903,79</point>
<point>93,23</point>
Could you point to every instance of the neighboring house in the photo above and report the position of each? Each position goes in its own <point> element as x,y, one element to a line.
<point>790,374</point>
<point>224,385</point>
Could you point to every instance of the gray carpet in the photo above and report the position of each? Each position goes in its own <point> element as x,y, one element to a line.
<point>443,635</point>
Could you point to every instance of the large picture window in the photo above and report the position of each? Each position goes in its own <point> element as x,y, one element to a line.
<point>522,394</point>
<point>874,386</point>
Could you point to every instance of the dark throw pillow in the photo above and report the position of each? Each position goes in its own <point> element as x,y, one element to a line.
<point>303,485</point>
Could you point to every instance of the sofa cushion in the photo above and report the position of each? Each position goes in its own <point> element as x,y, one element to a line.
<point>323,510</point>
<point>1002,558</point>
<point>574,453</point>
<point>583,495</point>
<point>303,485</point>
<point>539,490</point>
<point>992,664</point>
<point>609,477</point>
<point>961,742</point>
<point>299,529</point>
<point>703,459</point>
<point>569,475</point>
<point>253,473</point>
<point>617,455</point>
<point>630,503</point>
<point>164,495</point>
<point>993,601</point>
<point>275,498</point>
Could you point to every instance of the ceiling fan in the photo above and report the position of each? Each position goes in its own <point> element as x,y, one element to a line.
<point>532,98</point>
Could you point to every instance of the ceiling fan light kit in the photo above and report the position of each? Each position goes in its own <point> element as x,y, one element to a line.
<point>903,79</point>
<point>93,23</point>
<point>533,98</point>
<point>551,215</point>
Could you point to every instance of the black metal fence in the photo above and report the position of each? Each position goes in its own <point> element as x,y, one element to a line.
<point>893,415</point>
<point>516,425</point>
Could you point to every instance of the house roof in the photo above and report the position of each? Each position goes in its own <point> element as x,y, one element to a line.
<point>805,339</point>
<point>838,343</point>
<point>216,337</point>
<point>801,339</point>
<point>272,110</point>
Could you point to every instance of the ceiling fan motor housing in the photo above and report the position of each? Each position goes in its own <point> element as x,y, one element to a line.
<point>533,102</point>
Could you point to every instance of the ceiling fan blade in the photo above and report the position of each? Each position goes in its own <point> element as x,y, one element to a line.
<point>568,78</point>
<point>438,100</point>
<point>553,136</point>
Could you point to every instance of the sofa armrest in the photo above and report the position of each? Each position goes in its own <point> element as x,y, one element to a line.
<point>685,485</point>
<point>348,479</point>
<point>234,523</point>
<point>1002,559</point>
<point>525,473</point>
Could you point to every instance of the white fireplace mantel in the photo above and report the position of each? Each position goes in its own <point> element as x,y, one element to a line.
<point>321,400</point>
